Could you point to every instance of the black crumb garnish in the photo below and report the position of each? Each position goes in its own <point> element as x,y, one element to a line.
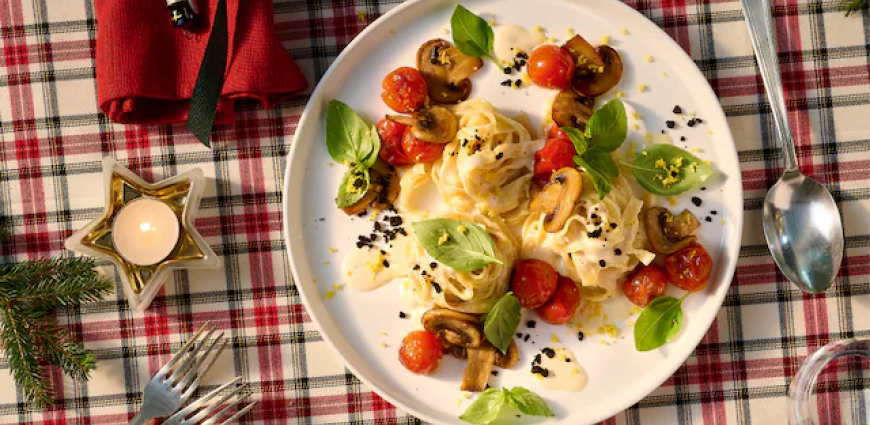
<point>697,201</point>
<point>423,273</point>
<point>545,373</point>
<point>602,263</point>
<point>519,82</point>
<point>537,369</point>
<point>580,336</point>
<point>395,221</point>
<point>373,237</point>
<point>499,155</point>
<point>531,324</point>
<point>617,251</point>
<point>437,287</point>
<point>708,219</point>
<point>682,138</point>
<point>506,70</point>
<point>506,83</point>
<point>402,315</point>
<point>386,264</point>
<point>537,359</point>
<point>549,352</point>
<point>522,55</point>
<point>703,188</point>
<point>594,234</point>
<point>377,226</point>
<point>663,132</point>
<point>691,122</point>
<point>714,212</point>
<point>612,225</point>
<point>526,338</point>
<point>363,213</point>
<point>670,123</point>
<point>416,267</point>
<point>494,373</point>
<point>593,215</point>
<point>433,264</point>
<point>383,252</point>
<point>360,244</point>
<point>678,110</point>
<point>519,334</point>
<point>567,360</point>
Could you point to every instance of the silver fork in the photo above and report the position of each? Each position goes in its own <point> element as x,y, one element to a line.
<point>176,381</point>
<point>199,418</point>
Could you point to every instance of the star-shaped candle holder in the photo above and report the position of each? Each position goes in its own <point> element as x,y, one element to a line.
<point>146,230</point>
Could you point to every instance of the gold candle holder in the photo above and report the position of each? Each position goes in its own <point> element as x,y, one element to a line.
<point>181,194</point>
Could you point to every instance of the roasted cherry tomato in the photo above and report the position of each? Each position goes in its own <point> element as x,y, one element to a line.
<point>420,352</point>
<point>561,307</point>
<point>647,283</point>
<point>690,267</point>
<point>391,134</point>
<point>534,282</point>
<point>556,133</point>
<point>404,90</point>
<point>550,66</point>
<point>557,153</point>
<point>419,151</point>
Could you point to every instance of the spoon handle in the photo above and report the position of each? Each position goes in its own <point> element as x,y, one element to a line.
<point>761,31</point>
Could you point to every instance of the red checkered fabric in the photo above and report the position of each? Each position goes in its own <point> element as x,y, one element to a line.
<point>53,139</point>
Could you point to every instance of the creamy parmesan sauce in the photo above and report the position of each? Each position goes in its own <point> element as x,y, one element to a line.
<point>563,375</point>
<point>512,39</point>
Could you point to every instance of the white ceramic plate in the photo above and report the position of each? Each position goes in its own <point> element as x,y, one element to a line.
<point>354,323</point>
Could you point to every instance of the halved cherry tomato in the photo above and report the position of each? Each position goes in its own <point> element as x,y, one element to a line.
<point>647,283</point>
<point>689,268</point>
<point>534,282</point>
<point>419,151</point>
<point>556,133</point>
<point>405,90</point>
<point>550,66</point>
<point>420,352</point>
<point>564,303</point>
<point>556,154</point>
<point>391,134</point>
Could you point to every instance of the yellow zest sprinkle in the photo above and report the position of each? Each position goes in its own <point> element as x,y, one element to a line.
<point>377,263</point>
<point>330,294</point>
<point>672,201</point>
<point>649,58</point>
<point>723,222</point>
<point>461,229</point>
<point>641,87</point>
<point>605,39</point>
<point>392,31</point>
<point>332,250</point>
<point>539,28</point>
<point>526,79</point>
<point>632,144</point>
<point>330,164</point>
<point>446,31</point>
<point>337,287</point>
<point>314,281</point>
<point>624,31</point>
<point>444,238</point>
<point>384,345</point>
<point>555,338</point>
<point>444,94</point>
<point>570,32</point>
<point>647,136</point>
<point>611,330</point>
<point>374,216</point>
<point>383,333</point>
<point>694,150</point>
<point>551,40</point>
<point>665,74</point>
<point>691,112</point>
<point>636,127</point>
<point>708,163</point>
<point>620,95</point>
<point>636,116</point>
<point>466,395</point>
<point>326,263</point>
<point>710,132</point>
<point>493,23</point>
<point>645,153</point>
<point>660,163</point>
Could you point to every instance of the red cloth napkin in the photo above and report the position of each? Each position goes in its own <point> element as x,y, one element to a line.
<point>146,68</point>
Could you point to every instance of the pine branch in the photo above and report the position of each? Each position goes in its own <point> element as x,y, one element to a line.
<point>52,283</point>
<point>57,347</point>
<point>23,360</point>
<point>855,6</point>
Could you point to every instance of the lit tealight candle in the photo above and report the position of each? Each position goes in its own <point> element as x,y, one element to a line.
<point>145,231</point>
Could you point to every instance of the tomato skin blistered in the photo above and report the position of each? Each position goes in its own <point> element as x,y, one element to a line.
<point>405,90</point>
<point>420,352</point>
<point>645,284</point>
<point>689,268</point>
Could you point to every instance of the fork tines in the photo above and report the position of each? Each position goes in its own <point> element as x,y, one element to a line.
<point>185,368</point>
<point>218,412</point>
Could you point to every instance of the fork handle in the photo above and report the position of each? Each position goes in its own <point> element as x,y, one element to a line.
<point>140,419</point>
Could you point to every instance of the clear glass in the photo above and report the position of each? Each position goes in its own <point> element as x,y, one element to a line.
<point>847,402</point>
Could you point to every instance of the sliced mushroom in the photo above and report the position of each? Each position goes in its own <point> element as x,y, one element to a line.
<point>433,124</point>
<point>668,234</point>
<point>558,197</point>
<point>363,203</point>
<point>508,359</point>
<point>386,177</point>
<point>453,327</point>
<point>446,71</point>
<point>586,59</point>
<point>570,109</point>
<point>596,83</point>
<point>480,363</point>
<point>457,351</point>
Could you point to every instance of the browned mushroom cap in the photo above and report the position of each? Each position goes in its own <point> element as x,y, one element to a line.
<point>596,83</point>
<point>456,351</point>
<point>668,234</point>
<point>508,359</point>
<point>586,59</point>
<point>363,203</point>
<point>446,71</point>
<point>570,109</point>
<point>433,124</point>
<point>453,327</point>
<point>385,176</point>
<point>558,197</point>
<point>480,363</point>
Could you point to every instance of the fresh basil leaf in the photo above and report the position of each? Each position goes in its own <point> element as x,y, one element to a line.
<point>471,34</point>
<point>659,323</point>
<point>529,402</point>
<point>578,139</point>
<point>485,407</point>
<point>601,168</point>
<point>353,187</point>
<point>502,321</point>
<point>348,137</point>
<point>607,126</point>
<point>667,170</point>
<point>466,247</point>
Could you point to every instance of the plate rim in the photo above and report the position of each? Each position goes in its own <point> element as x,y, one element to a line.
<point>655,380</point>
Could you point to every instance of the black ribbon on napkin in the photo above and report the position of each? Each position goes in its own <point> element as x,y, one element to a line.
<point>210,80</point>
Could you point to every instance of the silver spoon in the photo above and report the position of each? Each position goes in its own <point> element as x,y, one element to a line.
<point>802,224</point>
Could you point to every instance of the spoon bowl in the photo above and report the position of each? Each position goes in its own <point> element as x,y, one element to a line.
<point>804,231</point>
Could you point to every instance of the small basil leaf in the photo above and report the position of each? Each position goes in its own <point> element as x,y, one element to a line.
<point>348,138</point>
<point>502,321</point>
<point>659,323</point>
<point>471,34</point>
<point>578,139</point>
<point>601,167</point>
<point>460,245</point>
<point>529,402</point>
<point>608,126</point>
<point>667,170</point>
<point>485,407</point>
<point>353,187</point>
<point>373,147</point>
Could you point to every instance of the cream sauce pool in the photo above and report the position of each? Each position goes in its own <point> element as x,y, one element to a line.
<point>512,39</point>
<point>564,373</point>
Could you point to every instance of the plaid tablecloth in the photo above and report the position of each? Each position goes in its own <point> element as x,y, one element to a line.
<point>53,139</point>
